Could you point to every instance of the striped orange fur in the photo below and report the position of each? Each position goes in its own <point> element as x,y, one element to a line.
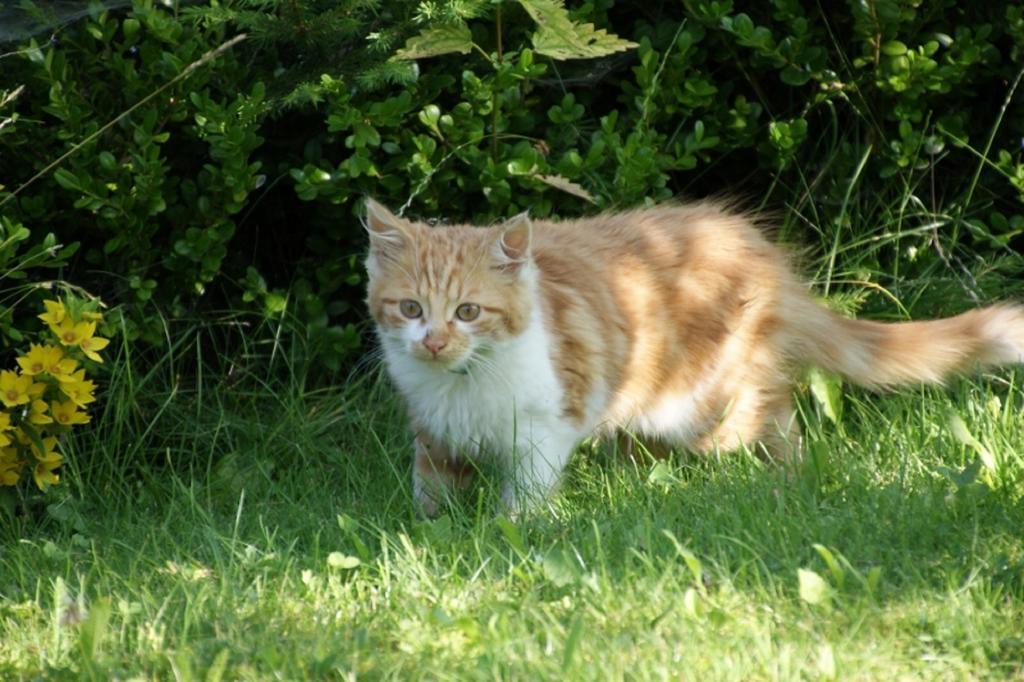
<point>681,323</point>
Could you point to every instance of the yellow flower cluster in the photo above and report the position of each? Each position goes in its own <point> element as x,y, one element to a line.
<point>48,394</point>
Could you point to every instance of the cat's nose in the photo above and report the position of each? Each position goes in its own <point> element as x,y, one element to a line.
<point>434,344</point>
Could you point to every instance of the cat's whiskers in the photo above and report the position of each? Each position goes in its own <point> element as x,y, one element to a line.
<point>371,359</point>
<point>475,364</point>
<point>490,368</point>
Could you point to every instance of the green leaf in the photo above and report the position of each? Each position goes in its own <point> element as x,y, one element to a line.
<point>661,474</point>
<point>66,179</point>
<point>520,166</point>
<point>838,574</point>
<point>343,561</point>
<point>827,389</point>
<point>559,568</point>
<point>794,76</point>
<point>512,536</point>
<point>559,37</point>
<point>93,629</point>
<point>107,160</point>
<point>813,588</point>
<point>572,641</point>
<point>894,48</point>
<point>215,673</point>
<point>691,601</point>
<point>437,40</point>
<point>874,579</point>
<point>962,434</point>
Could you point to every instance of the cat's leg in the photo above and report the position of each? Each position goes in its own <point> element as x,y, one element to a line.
<point>781,438</point>
<point>536,468</point>
<point>436,473</point>
<point>641,446</point>
<point>759,415</point>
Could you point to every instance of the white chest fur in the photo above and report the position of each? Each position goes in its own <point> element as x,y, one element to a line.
<point>508,398</point>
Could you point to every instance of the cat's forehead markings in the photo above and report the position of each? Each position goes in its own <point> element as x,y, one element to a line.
<point>445,253</point>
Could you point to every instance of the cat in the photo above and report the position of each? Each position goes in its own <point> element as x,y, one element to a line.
<point>681,323</point>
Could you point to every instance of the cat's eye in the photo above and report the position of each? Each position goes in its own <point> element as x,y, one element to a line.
<point>410,308</point>
<point>467,312</point>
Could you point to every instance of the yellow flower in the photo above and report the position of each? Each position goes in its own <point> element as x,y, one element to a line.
<point>91,316</point>
<point>49,444</point>
<point>10,466</point>
<point>37,415</point>
<point>63,370</point>
<point>5,426</point>
<point>78,389</point>
<point>43,472</point>
<point>91,345</point>
<point>49,359</point>
<point>71,333</point>
<point>46,461</point>
<point>55,313</point>
<point>66,413</point>
<point>38,357</point>
<point>14,389</point>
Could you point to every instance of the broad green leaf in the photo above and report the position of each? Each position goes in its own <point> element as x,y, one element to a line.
<point>894,48</point>
<point>559,37</point>
<point>343,561</point>
<point>827,390</point>
<point>520,167</point>
<point>813,588</point>
<point>559,568</point>
<point>437,40</point>
<point>66,179</point>
<point>661,474</point>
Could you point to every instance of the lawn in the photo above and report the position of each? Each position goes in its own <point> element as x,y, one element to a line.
<point>227,525</point>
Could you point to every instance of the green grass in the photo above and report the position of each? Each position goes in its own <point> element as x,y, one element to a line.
<point>229,526</point>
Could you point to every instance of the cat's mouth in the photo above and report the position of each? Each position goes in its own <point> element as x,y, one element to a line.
<point>459,361</point>
<point>455,365</point>
<point>461,365</point>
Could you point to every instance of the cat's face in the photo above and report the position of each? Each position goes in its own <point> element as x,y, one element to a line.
<point>447,295</point>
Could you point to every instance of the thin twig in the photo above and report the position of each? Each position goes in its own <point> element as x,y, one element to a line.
<point>12,95</point>
<point>185,73</point>
<point>7,99</point>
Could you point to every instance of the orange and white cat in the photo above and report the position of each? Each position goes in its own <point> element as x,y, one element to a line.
<point>682,324</point>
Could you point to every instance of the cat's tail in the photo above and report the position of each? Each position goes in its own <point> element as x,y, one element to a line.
<point>878,354</point>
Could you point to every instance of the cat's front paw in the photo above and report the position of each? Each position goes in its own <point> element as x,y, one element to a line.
<point>426,504</point>
<point>516,502</point>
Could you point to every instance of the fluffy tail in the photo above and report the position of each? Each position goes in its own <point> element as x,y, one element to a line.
<point>877,354</point>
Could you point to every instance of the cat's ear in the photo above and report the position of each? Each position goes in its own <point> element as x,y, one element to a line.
<point>512,250</point>
<point>387,231</point>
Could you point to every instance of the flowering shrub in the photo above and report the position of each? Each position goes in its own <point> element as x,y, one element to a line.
<point>49,393</point>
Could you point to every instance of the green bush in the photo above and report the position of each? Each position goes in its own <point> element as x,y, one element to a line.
<point>240,185</point>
